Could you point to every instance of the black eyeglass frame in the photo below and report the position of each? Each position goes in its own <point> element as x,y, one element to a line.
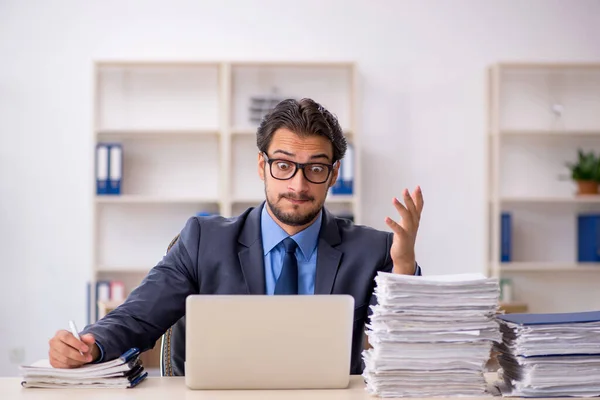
<point>297,166</point>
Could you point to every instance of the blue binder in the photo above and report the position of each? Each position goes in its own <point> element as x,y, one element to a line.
<point>551,318</point>
<point>115,168</point>
<point>588,238</point>
<point>101,169</point>
<point>505,237</point>
<point>345,181</point>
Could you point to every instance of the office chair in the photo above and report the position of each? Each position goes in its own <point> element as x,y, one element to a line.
<point>172,352</point>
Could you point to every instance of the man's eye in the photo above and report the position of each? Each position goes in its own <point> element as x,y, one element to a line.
<point>283,166</point>
<point>317,169</point>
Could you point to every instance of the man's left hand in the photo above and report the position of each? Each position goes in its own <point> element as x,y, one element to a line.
<point>405,231</point>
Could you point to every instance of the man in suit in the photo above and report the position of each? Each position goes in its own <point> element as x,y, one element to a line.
<point>289,245</point>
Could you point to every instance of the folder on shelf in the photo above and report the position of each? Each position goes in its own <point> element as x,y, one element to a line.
<point>117,291</point>
<point>88,300</point>
<point>102,295</point>
<point>588,238</point>
<point>115,162</point>
<point>348,171</point>
<point>101,169</point>
<point>505,237</point>
<point>126,371</point>
<point>345,180</point>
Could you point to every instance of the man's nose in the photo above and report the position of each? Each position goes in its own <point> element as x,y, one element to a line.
<point>298,183</point>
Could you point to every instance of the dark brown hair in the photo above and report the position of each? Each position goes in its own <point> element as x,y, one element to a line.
<point>305,117</point>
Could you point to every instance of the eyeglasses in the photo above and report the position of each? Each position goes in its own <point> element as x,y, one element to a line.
<point>285,169</point>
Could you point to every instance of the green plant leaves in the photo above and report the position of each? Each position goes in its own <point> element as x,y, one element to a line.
<point>587,167</point>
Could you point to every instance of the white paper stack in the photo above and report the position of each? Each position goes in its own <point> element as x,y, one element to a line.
<point>431,335</point>
<point>124,372</point>
<point>550,355</point>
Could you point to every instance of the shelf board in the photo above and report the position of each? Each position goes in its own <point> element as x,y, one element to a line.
<point>244,131</point>
<point>582,199</point>
<point>111,304</point>
<point>142,199</point>
<point>140,63</point>
<point>551,134</point>
<point>116,134</point>
<point>511,307</point>
<point>550,66</point>
<point>293,64</point>
<point>549,267</point>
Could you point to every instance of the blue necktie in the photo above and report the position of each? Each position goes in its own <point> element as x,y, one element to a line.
<point>288,279</point>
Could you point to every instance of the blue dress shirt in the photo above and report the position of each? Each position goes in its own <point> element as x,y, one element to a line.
<point>306,253</point>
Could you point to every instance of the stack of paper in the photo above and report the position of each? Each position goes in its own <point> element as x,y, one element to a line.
<point>550,355</point>
<point>124,372</point>
<point>431,336</point>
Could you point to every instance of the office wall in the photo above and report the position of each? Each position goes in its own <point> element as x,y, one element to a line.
<point>423,116</point>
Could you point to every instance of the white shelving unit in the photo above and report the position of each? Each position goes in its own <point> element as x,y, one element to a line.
<point>539,115</point>
<point>189,147</point>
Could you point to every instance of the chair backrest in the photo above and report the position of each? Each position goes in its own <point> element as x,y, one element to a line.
<point>172,352</point>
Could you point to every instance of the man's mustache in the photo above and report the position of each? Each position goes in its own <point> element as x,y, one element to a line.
<point>294,196</point>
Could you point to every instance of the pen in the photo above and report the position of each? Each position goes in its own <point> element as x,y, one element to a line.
<point>74,332</point>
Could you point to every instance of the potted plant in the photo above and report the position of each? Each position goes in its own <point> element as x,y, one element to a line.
<point>586,172</point>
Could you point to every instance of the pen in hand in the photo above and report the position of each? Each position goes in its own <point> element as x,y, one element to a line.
<point>75,333</point>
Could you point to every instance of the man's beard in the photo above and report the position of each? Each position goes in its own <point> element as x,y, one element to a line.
<point>293,219</point>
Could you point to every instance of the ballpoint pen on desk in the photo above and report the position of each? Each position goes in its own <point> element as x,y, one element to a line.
<point>75,333</point>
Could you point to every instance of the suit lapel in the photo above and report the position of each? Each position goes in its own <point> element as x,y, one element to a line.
<point>251,256</point>
<point>328,258</point>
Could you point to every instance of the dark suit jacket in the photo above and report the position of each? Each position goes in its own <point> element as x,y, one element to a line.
<point>216,255</point>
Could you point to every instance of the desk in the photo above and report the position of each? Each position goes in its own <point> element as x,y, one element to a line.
<point>173,388</point>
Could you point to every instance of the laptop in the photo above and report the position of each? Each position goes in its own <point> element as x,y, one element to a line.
<point>268,342</point>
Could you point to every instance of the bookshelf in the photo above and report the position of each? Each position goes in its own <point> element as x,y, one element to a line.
<point>539,115</point>
<point>189,147</point>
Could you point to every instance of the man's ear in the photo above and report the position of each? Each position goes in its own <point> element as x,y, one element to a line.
<point>334,173</point>
<point>261,166</point>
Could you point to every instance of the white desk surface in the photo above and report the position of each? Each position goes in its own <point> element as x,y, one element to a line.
<point>173,388</point>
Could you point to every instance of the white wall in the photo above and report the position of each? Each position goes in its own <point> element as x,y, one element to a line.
<point>423,76</point>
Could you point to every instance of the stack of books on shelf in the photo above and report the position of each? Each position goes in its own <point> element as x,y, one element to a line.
<point>124,372</point>
<point>431,336</point>
<point>550,355</point>
<point>262,105</point>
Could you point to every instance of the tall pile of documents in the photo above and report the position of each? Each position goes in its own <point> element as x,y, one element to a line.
<point>126,371</point>
<point>550,355</point>
<point>431,336</point>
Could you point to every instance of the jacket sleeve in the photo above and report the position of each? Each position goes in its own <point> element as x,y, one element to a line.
<point>156,304</point>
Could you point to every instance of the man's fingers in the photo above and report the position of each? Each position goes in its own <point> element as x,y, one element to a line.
<point>70,352</point>
<point>69,339</point>
<point>61,359</point>
<point>419,202</point>
<point>88,339</point>
<point>410,205</point>
<point>55,363</point>
<point>394,226</point>
<point>404,213</point>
